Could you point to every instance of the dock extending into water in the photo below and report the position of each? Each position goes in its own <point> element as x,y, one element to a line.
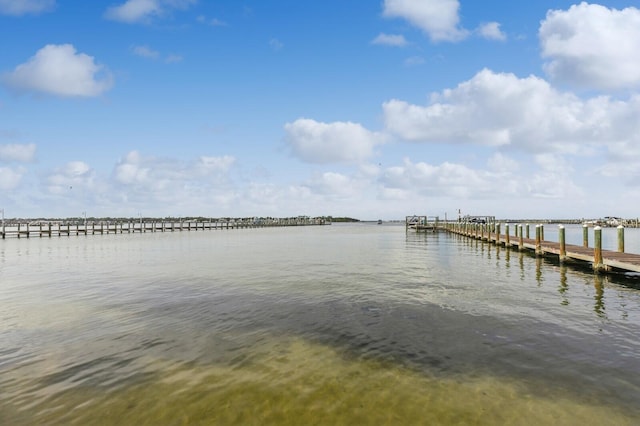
<point>600,260</point>
<point>62,228</point>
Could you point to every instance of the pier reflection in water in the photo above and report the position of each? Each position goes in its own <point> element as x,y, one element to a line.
<point>621,285</point>
<point>347,324</point>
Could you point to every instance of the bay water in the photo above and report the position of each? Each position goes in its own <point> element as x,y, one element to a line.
<point>342,324</point>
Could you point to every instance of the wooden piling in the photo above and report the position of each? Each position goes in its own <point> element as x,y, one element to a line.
<point>521,240</point>
<point>621,239</point>
<point>585,235</point>
<point>563,246</point>
<point>597,251</point>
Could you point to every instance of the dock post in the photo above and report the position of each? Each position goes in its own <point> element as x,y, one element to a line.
<point>621,238</point>
<point>541,232</point>
<point>561,240</point>
<point>506,233</point>
<point>585,235</point>
<point>597,252</point>
<point>538,240</point>
<point>497,233</point>
<point>521,239</point>
<point>527,231</point>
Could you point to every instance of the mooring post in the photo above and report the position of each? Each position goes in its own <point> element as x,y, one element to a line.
<point>621,238</point>
<point>541,232</point>
<point>585,235</point>
<point>506,233</point>
<point>597,252</point>
<point>527,231</point>
<point>521,240</point>
<point>561,240</point>
<point>538,240</point>
<point>497,233</point>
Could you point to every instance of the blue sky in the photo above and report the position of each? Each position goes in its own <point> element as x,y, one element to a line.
<point>369,109</point>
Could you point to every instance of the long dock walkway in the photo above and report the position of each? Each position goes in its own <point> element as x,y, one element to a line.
<point>49,229</point>
<point>600,260</point>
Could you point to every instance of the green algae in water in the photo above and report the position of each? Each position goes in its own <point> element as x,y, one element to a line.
<point>294,382</point>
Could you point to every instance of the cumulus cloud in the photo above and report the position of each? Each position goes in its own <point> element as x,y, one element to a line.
<point>215,165</point>
<point>74,174</point>
<point>592,46</point>
<point>59,70</point>
<point>397,40</point>
<point>153,173</point>
<point>23,7</point>
<point>336,185</point>
<point>141,180</point>
<point>135,11</point>
<point>445,179</point>
<point>317,142</point>
<point>500,109</point>
<point>491,31</point>
<point>500,163</point>
<point>22,153</point>
<point>10,177</point>
<point>437,18</point>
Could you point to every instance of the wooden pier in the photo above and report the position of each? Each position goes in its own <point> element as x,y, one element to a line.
<point>600,260</point>
<point>421,223</point>
<point>61,228</point>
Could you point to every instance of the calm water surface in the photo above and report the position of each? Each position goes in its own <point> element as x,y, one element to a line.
<point>341,324</point>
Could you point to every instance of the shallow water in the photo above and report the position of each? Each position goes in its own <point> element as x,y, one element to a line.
<point>341,324</point>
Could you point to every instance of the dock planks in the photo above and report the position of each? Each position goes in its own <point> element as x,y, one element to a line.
<point>611,260</point>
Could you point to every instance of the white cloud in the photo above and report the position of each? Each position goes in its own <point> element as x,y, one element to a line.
<point>317,142</point>
<point>446,179</point>
<point>591,46</point>
<point>145,52</point>
<point>59,70</point>
<point>76,175</point>
<point>500,163</point>
<point>149,53</point>
<point>10,178</point>
<point>438,18</point>
<point>22,7</point>
<point>491,31</point>
<point>498,109</point>
<point>134,11</point>
<point>157,174</point>
<point>397,40</point>
<point>17,152</point>
<point>215,165</point>
<point>336,185</point>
